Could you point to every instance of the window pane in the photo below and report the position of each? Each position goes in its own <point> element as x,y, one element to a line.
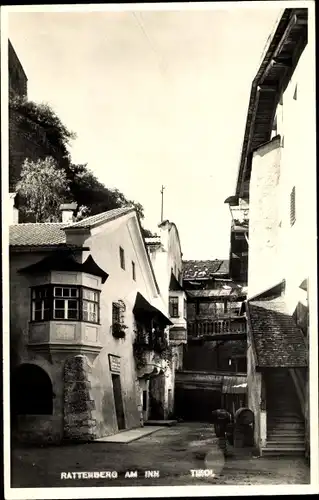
<point>90,294</point>
<point>58,292</point>
<point>59,314</point>
<point>38,305</point>
<point>72,304</point>
<point>85,315</point>
<point>66,292</point>
<point>46,314</point>
<point>59,304</point>
<point>74,292</point>
<point>72,314</point>
<point>37,315</point>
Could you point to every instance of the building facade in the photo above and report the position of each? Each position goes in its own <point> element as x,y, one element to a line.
<point>214,364</point>
<point>89,328</point>
<point>166,257</point>
<point>276,187</point>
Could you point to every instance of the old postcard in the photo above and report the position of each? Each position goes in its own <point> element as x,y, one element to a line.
<point>159,249</point>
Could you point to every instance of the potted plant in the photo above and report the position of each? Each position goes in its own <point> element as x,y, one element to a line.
<point>118,330</point>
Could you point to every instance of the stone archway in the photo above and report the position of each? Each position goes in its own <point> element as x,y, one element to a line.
<point>31,391</point>
<point>79,405</point>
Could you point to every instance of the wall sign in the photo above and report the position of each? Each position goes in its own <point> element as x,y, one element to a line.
<point>115,363</point>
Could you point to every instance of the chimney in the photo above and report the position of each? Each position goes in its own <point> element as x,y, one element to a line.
<point>14,212</point>
<point>67,210</point>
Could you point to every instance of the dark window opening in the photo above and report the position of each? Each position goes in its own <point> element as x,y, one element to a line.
<point>116,313</point>
<point>122,258</point>
<point>144,400</point>
<point>31,391</point>
<point>133,271</point>
<point>173,307</point>
<point>293,206</point>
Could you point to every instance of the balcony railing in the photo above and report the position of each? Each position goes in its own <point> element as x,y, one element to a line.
<point>214,327</point>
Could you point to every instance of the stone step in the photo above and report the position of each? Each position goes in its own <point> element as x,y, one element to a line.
<point>286,427</point>
<point>286,432</point>
<point>284,418</point>
<point>283,451</point>
<point>280,440</point>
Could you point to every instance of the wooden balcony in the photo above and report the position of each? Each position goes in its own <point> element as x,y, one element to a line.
<point>218,329</point>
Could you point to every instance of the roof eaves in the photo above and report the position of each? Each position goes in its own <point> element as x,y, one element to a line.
<point>86,224</point>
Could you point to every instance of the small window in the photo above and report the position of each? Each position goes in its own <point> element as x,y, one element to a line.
<point>185,308</point>
<point>122,258</point>
<point>293,206</point>
<point>65,303</point>
<point>116,313</point>
<point>90,305</point>
<point>133,271</point>
<point>40,304</point>
<point>173,307</point>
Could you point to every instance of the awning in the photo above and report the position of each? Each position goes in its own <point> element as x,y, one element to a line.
<point>143,308</point>
<point>65,261</point>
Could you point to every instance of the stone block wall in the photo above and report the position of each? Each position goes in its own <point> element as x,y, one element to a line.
<point>79,405</point>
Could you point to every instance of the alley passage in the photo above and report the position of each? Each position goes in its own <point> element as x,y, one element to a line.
<point>170,456</point>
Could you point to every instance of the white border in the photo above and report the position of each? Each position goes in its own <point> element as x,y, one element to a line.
<point>150,491</point>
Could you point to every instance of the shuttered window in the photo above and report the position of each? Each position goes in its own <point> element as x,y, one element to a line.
<point>293,206</point>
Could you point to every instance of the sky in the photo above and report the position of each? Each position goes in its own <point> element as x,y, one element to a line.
<point>155,98</point>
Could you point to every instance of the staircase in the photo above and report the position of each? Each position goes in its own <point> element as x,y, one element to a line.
<point>285,422</point>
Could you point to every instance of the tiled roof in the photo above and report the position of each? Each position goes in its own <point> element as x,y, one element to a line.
<point>277,340</point>
<point>200,269</point>
<point>95,220</point>
<point>219,292</point>
<point>41,234</point>
<point>52,233</point>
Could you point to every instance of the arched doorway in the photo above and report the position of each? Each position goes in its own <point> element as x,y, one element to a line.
<point>31,391</point>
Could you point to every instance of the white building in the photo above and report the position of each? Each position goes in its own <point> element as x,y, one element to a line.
<point>277,178</point>
<point>88,327</point>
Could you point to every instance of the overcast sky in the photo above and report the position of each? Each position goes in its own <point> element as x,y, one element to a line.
<point>155,97</point>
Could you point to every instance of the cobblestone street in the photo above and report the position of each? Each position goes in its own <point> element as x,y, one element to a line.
<point>173,451</point>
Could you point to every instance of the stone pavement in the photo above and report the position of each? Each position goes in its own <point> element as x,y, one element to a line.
<point>172,453</point>
<point>129,436</point>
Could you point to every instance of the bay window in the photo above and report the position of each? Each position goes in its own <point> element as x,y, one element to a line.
<point>74,303</point>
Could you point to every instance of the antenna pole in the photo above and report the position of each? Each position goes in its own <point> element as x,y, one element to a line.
<point>162,202</point>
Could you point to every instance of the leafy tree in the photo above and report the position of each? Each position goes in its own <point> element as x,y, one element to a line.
<point>91,194</point>
<point>42,187</point>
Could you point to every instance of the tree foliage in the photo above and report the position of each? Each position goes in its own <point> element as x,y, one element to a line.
<point>42,187</point>
<point>34,114</point>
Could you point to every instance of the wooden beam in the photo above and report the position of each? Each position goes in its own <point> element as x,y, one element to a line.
<point>290,26</point>
<point>268,88</point>
<point>218,336</point>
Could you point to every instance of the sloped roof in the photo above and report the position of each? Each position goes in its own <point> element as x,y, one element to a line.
<point>53,233</point>
<point>204,269</point>
<point>37,234</point>
<point>277,340</point>
<point>95,220</point>
<point>65,261</point>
